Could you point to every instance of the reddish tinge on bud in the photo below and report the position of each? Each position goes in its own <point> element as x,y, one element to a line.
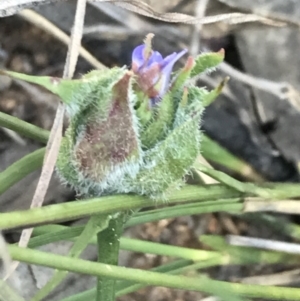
<point>106,145</point>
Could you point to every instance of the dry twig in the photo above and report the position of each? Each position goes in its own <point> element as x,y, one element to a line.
<point>196,35</point>
<point>56,131</point>
<point>283,278</point>
<point>257,204</point>
<point>266,244</point>
<point>10,7</point>
<point>278,89</point>
<point>4,254</point>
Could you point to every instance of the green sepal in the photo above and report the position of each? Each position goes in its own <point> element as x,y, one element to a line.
<point>160,123</point>
<point>206,62</point>
<point>182,76</point>
<point>191,104</point>
<point>167,163</point>
<point>211,96</point>
<point>143,109</point>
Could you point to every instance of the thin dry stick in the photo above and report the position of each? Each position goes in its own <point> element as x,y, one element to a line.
<point>194,50</point>
<point>135,23</point>
<point>56,131</point>
<point>211,298</point>
<point>9,7</point>
<point>293,97</point>
<point>144,9</point>
<point>267,13</point>
<point>266,244</point>
<point>282,90</point>
<point>279,89</point>
<point>124,17</point>
<point>256,204</point>
<point>205,178</point>
<point>283,278</point>
<point>14,136</point>
<point>4,254</point>
<point>110,31</point>
<point>196,35</point>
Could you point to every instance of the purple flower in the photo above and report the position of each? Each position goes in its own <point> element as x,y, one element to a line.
<point>153,71</point>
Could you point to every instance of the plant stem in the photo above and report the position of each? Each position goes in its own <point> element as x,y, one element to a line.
<point>108,252</point>
<point>7,293</point>
<point>24,128</point>
<point>117,203</point>
<point>123,287</point>
<point>18,170</point>
<point>212,151</point>
<point>95,224</point>
<point>200,283</point>
<point>109,205</point>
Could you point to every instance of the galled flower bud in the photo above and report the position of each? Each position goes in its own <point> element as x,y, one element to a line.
<point>132,131</point>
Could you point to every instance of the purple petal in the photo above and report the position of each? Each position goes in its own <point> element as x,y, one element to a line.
<point>138,56</point>
<point>167,68</point>
<point>153,70</point>
<point>156,57</point>
<point>171,59</point>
